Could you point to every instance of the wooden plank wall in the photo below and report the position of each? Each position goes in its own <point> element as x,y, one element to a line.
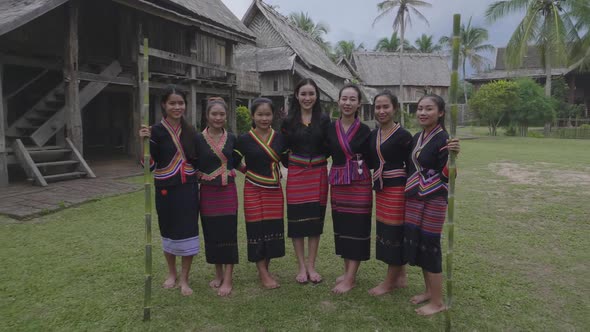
<point>284,80</point>
<point>212,50</point>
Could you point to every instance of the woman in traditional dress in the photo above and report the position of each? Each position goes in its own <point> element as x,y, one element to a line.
<point>390,148</point>
<point>219,199</point>
<point>172,148</point>
<point>262,149</point>
<point>426,200</point>
<point>350,187</point>
<point>307,181</point>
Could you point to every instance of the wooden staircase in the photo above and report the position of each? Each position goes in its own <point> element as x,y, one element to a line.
<point>51,163</point>
<point>31,133</point>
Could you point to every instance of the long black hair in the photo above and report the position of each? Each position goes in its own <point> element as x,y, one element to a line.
<point>256,103</point>
<point>188,133</point>
<point>440,103</point>
<point>358,92</point>
<point>294,116</point>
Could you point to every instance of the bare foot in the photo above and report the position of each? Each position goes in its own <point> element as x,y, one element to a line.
<point>224,289</point>
<point>170,282</point>
<point>314,277</point>
<point>420,298</point>
<point>343,287</point>
<point>269,282</point>
<point>382,289</point>
<point>339,279</point>
<point>215,283</point>
<point>185,289</point>
<point>302,277</point>
<point>430,309</point>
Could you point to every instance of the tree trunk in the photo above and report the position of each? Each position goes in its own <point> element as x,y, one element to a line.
<point>465,84</point>
<point>401,72</point>
<point>547,128</point>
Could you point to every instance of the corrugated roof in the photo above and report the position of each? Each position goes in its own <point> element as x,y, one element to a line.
<point>14,13</point>
<point>251,58</point>
<point>325,86</point>
<point>301,42</point>
<point>383,69</point>
<point>216,12</point>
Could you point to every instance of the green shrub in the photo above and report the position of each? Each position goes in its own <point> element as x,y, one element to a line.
<point>535,134</point>
<point>244,121</point>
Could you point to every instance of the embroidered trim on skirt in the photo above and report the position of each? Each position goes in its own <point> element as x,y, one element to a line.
<point>351,214</point>
<point>264,213</point>
<point>178,218</point>
<point>422,229</point>
<point>219,216</point>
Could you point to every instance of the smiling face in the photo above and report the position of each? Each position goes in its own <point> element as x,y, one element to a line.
<point>216,116</point>
<point>174,107</point>
<point>428,113</point>
<point>263,116</point>
<point>384,110</point>
<point>307,97</point>
<point>349,102</point>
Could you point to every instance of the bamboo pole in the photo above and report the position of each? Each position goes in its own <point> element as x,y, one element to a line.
<point>452,167</point>
<point>147,297</point>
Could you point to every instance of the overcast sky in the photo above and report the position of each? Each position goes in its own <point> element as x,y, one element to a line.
<point>352,20</point>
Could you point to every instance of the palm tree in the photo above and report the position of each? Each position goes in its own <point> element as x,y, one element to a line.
<point>424,44</point>
<point>401,10</point>
<point>580,56</point>
<point>392,44</point>
<point>317,31</point>
<point>472,44</point>
<point>546,23</point>
<point>345,48</point>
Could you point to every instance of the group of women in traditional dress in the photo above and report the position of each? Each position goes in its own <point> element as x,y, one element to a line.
<point>409,179</point>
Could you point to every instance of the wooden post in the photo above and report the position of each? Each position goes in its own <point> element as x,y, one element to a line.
<point>137,95</point>
<point>233,90</point>
<point>3,153</point>
<point>73,113</point>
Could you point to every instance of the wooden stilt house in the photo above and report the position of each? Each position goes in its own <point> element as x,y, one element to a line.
<point>70,73</point>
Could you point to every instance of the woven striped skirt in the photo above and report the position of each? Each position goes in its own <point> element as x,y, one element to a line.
<point>219,216</point>
<point>390,205</point>
<point>178,218</point>
<point>264,210</point>
<point>423,226</point>
<point>307,197</point>
<point>351,214</point>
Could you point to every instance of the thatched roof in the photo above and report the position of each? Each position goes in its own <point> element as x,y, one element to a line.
<point>382,69</point>
<point>216,13</point>
<point>532,66</point>
<point>306,48</point>
<point>325,86</point>
<point>517,73</point>
<point>14,13</point>
<point>262,60</point>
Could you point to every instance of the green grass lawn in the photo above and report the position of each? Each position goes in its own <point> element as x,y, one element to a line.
<point>521,261</point>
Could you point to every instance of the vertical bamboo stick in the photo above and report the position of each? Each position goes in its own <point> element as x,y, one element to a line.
<point>452,167</point>
<point>147,298</point>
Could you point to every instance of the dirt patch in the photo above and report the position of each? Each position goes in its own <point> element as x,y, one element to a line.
<point>540,174</point>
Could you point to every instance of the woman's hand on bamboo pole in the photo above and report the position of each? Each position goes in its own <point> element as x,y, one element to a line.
<point>145,131</point>
<point>453,145</point>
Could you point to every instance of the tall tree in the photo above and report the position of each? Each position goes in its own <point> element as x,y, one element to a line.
<point>580,13</point>
<point>424,44</point>
<point>316,30</point>
<point>546,23</point>
<point>392,44</point>
<point>472,44</point>
<point>345,48</point>
<point>401,10</point>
